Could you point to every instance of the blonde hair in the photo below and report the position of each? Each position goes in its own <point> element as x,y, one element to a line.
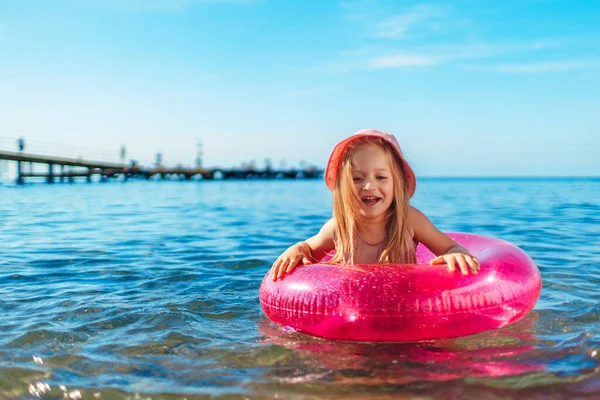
<point>399,246</point>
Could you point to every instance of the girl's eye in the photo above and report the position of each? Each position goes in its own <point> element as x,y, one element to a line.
<point>382,177</point>
<point>356,179</point>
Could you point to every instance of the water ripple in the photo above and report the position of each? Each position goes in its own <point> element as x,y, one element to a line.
<point>149,289</point>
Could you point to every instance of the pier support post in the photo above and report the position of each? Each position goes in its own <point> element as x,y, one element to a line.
<point>50,178</point>
<point>19,173</point>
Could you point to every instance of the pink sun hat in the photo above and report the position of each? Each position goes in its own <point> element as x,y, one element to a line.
<point>339,151</point>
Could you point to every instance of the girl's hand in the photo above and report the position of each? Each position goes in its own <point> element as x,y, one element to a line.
<point>289,260</point>
<point>465,262</point>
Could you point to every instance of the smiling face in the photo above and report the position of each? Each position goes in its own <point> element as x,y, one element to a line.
<point>372,176</point>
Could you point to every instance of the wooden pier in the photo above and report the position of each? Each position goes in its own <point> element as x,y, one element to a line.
<point>70,168</point>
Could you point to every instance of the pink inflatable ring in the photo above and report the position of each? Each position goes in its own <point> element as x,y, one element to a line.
<point>406,302</point>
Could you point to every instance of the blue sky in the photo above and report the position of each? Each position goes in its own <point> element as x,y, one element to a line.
<point>468,87</point>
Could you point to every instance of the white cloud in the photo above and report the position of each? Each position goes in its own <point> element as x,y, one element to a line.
<point>425,56</point>
<point>449,38</point>
<point>443,54</point>
<point>383,19</point>
<point>399,24</point>
<point>400,60</point>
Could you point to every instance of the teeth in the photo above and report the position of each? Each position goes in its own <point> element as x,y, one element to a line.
<point>370,199</point>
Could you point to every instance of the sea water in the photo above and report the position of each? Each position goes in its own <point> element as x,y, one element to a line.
<point>150,290</point>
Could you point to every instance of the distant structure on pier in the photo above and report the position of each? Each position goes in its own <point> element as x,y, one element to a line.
<point>123,154</point>
<point>199,154</point>
<point>21,143</point>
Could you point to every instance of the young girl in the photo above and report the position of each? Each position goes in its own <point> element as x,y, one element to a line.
<point>373,222</point>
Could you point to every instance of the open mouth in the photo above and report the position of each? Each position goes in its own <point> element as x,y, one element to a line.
<point>370,200</point>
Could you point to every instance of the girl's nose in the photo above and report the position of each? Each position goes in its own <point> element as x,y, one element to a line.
<point>368,184</point>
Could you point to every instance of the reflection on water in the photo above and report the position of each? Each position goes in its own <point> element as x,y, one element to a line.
<point>494,354</point>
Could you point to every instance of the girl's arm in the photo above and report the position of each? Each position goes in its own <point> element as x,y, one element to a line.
<point>308,251</point>
<point>447,250</point>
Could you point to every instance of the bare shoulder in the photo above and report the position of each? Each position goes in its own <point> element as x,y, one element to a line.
<point>419,224</point>
<point>328,229</point>
<point>416,217</point>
